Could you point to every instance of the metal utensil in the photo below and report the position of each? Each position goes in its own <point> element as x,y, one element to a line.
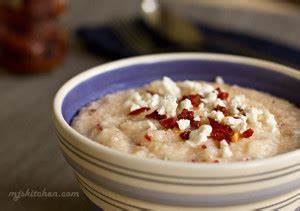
<point>171,25</point>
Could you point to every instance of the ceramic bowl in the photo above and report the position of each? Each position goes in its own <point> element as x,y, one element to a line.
<point>117,181</point>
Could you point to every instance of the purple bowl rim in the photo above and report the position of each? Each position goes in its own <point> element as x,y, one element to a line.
<point>154,58</point>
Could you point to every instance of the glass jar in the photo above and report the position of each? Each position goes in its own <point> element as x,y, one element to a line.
<point>31,38</point>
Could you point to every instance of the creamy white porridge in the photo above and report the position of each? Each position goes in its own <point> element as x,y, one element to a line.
<point>192,121</point>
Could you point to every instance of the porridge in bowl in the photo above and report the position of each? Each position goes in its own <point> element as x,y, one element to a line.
<point>192,121</point>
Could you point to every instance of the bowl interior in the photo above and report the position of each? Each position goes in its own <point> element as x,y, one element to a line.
<point>135,75</point>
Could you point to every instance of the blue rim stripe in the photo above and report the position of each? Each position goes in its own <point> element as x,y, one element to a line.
<point>64,142</point>
<point>91,188</point>
<point>176,177</point>
<point>281,202</point>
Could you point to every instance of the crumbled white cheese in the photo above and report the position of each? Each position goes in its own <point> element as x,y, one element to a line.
<point>170,87</point>
<point>186,104</point>
<point>269,120</point>
<point>219,102</point>
<point>197,118</point>
<point>210,97</point>
<point>192,86</point>
<point>134,107</point>
<point>168,106</point>
<point>153,101</point>
<point>216,115</point>
<point>151,125</point>
<point>202,111</point>
<point>253,116</point>
<point>219,80</point>
<point>199,136</point>
<point>239,125</point>
<point>262,118</point>
<point>183,124</point>
<point>238,101</point>
<point>135,101</point>
<point>197,87</point>
<point>225,149</point>
<point>206,88</point>
<point>137,98</point>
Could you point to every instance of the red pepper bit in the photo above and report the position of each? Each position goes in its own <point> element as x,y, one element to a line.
<point>203,147</point>
<point>155,115</point>
<point>169,123</point>
<point>222,95</point>
<point>98,127</point>
<point>216,161</point>
<point>186,114</point>
<point>223,110</point>
<point>185,135</point>
<point>139,110</point>
<point>195,99</point>
<point>220,131</point>
<point>195,124</point>
<point>147,137</point>
<point>248,133</point>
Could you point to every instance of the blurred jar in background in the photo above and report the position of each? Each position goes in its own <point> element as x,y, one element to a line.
<point>31,38</point>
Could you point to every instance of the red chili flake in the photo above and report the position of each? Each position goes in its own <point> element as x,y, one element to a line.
<point>220,131</point>
<point>185,135</point>
<point>195,99</point>
<point>222,95</point>
<point>186,114</point>
<point>195,124</point>
<point>203,147</point>
<point>155,115</point>
<point>216,161</point>
<point>139,110</point>
<point>98,127</point>
<point>147,137</point>
<point>169,123</point>
<point>248,133</point>
<point>223,110</point>
<point>193,160</point>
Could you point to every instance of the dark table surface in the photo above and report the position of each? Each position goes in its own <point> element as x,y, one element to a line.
<point>29,153</point>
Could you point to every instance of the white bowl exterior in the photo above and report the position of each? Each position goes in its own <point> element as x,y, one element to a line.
<point>174,183</point>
